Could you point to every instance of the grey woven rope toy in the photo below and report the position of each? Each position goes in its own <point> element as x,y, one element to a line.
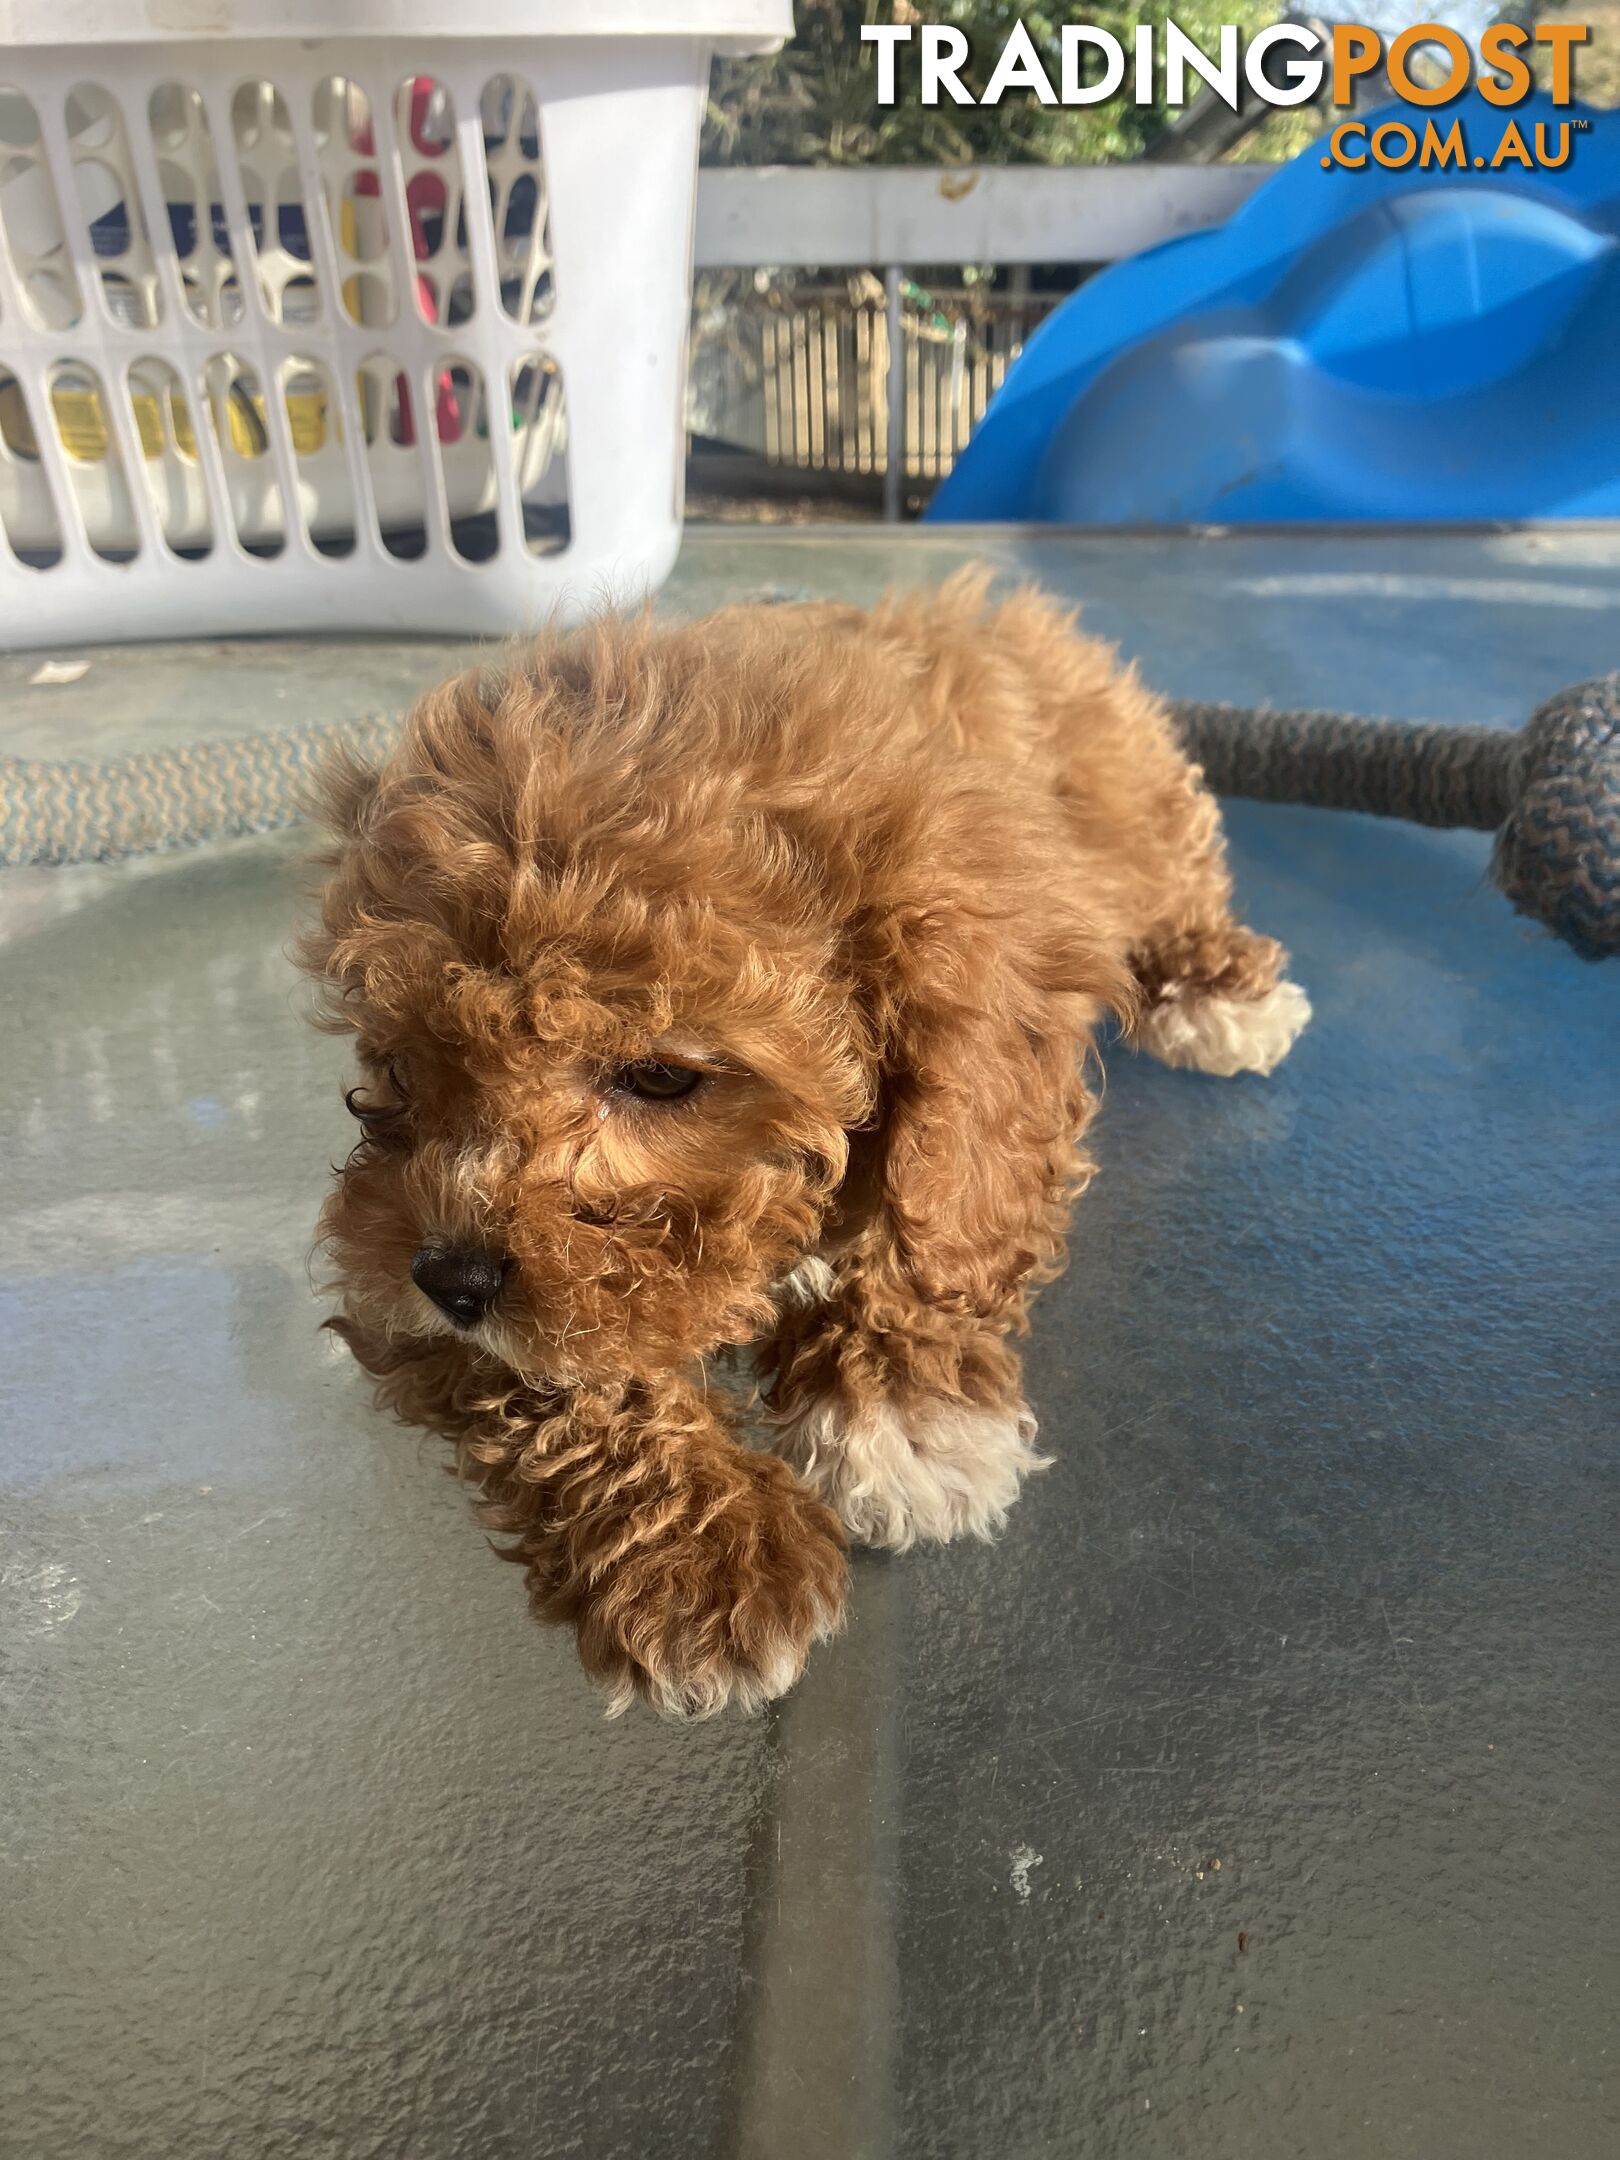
<point>1550,793</point>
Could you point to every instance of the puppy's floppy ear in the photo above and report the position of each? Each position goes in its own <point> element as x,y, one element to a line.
<point>990,1003</point>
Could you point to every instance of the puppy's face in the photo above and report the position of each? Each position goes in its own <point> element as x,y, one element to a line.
<point>602,1108</point>
<point>612,1196</point>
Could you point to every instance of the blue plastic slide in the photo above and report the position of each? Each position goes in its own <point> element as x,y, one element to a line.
<point>1380,345</point>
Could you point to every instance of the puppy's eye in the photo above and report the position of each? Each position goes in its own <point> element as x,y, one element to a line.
<point>380,1122</point>
<point>650,1080</point>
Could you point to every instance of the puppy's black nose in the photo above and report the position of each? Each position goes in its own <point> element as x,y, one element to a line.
<point>461,1282</point>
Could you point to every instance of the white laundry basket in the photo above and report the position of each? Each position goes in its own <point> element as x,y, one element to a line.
<point>363,326</point>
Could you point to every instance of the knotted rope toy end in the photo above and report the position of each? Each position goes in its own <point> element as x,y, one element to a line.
<point>1557,855</point>
<point>1550,793</point>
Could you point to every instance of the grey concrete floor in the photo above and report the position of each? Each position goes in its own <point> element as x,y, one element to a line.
<point>1255,1797</point>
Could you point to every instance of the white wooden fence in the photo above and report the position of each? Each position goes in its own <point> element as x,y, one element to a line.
<point>802,376</point>
<point>866,388</point>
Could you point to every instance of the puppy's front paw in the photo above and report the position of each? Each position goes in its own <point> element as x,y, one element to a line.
<point>719,1601</point>
<point>933,1470</point>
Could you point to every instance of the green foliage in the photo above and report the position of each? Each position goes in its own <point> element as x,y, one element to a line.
<point>815,102</point>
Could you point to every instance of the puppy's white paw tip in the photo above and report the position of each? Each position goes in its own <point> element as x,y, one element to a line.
<point>746,1686</point>
<point>932,1472</point>
<point>1224,1035</point>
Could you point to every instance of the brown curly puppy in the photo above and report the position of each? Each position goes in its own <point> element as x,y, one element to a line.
<point>730,984</point>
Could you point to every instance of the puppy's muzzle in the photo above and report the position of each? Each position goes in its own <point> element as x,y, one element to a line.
<point>463,1283</point>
